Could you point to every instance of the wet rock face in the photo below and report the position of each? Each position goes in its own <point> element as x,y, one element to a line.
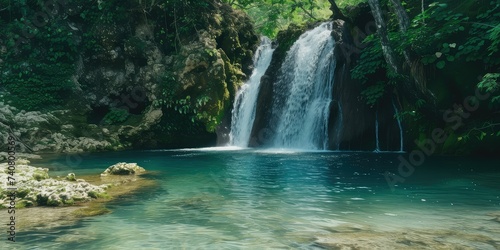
<point>50,132</point>
<point>357,130</point>
<point>213,66</point>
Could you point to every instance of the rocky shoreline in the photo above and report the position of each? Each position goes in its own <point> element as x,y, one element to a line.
<point>63,200</point>
<point>36,188</point>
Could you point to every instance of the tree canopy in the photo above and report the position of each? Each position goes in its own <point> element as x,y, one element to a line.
<point>270,16</point>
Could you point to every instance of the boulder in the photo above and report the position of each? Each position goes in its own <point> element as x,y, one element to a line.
<point>71,177</point>
<point>123,168</point>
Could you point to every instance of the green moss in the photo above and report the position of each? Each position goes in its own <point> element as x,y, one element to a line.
<point>115,116</point>
<point>23,204</point>
<point>135,47</point>
<point>286,39</point>
<point>53,203</point>
<point>40,175</point>
<point>21,192</point>
<point>78,198</point>
<point>69,202</point>
<point>92,210</point>
<point>96,195</point>
<point>71,177</point>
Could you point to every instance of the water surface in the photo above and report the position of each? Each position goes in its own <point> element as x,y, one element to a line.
<point>281,199</point>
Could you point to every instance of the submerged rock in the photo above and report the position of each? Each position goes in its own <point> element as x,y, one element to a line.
<point>123,168</point>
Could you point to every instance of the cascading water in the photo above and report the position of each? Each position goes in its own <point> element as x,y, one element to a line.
<point>304,90</point>
<point>400,127</point>
<point>245,102</point>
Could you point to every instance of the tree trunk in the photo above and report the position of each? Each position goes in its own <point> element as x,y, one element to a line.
<point>404,23</point>
<point>403,19</point>
<point>389,54</point>
<point>413,92</point>
<point>337,14</point>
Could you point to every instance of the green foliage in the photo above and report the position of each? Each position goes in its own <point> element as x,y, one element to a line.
<point>446,32</point>
<point>371,60</point>
<point>179,20</point>
<point>494,36</point>
<point>271,16</point>
<point>481,132</point>
<point>199,108</point>
<point>135,46</point>
<point>490,84</point>
<point>411,116</point>
<point>37,71</point>
<point>115,116</point>
<point>373,93</point>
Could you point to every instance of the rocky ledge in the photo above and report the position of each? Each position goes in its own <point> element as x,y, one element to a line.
<point>36,188</point>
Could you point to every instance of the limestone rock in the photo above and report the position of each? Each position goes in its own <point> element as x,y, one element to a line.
<point>36,188</point>
<point>71,177</point>
<point>123,168</point>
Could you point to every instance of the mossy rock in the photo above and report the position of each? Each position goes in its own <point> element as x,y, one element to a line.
<point>78,198</point>
<point>22,192</point>
<point>54,202</point>
<point>40,175</point>
<point>97,195</point>
<point>21,161</point>
<point>24,203</point>
<point>69,202</point>
<point>92,210</point>
<point>70,177</point>
<point>41,200</point>
<point>285,39</point>
<point>123,168</point>
<point>134,47</point>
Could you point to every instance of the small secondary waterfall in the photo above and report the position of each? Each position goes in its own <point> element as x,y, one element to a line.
<point>377,146</point>
<point>243,113</point>
<point>304,90</point>
<point>400,126</point>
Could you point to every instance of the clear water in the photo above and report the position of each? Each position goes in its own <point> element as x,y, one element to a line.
<point>280,199</point>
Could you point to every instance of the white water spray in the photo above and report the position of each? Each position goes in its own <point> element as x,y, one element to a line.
<point>305,85</point>
<point>245,102</point>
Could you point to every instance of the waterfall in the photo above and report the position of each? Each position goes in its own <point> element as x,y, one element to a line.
<point>303,91</point>
<point>377,146</point>
<point>245,102</point>
<point>400,127</point>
